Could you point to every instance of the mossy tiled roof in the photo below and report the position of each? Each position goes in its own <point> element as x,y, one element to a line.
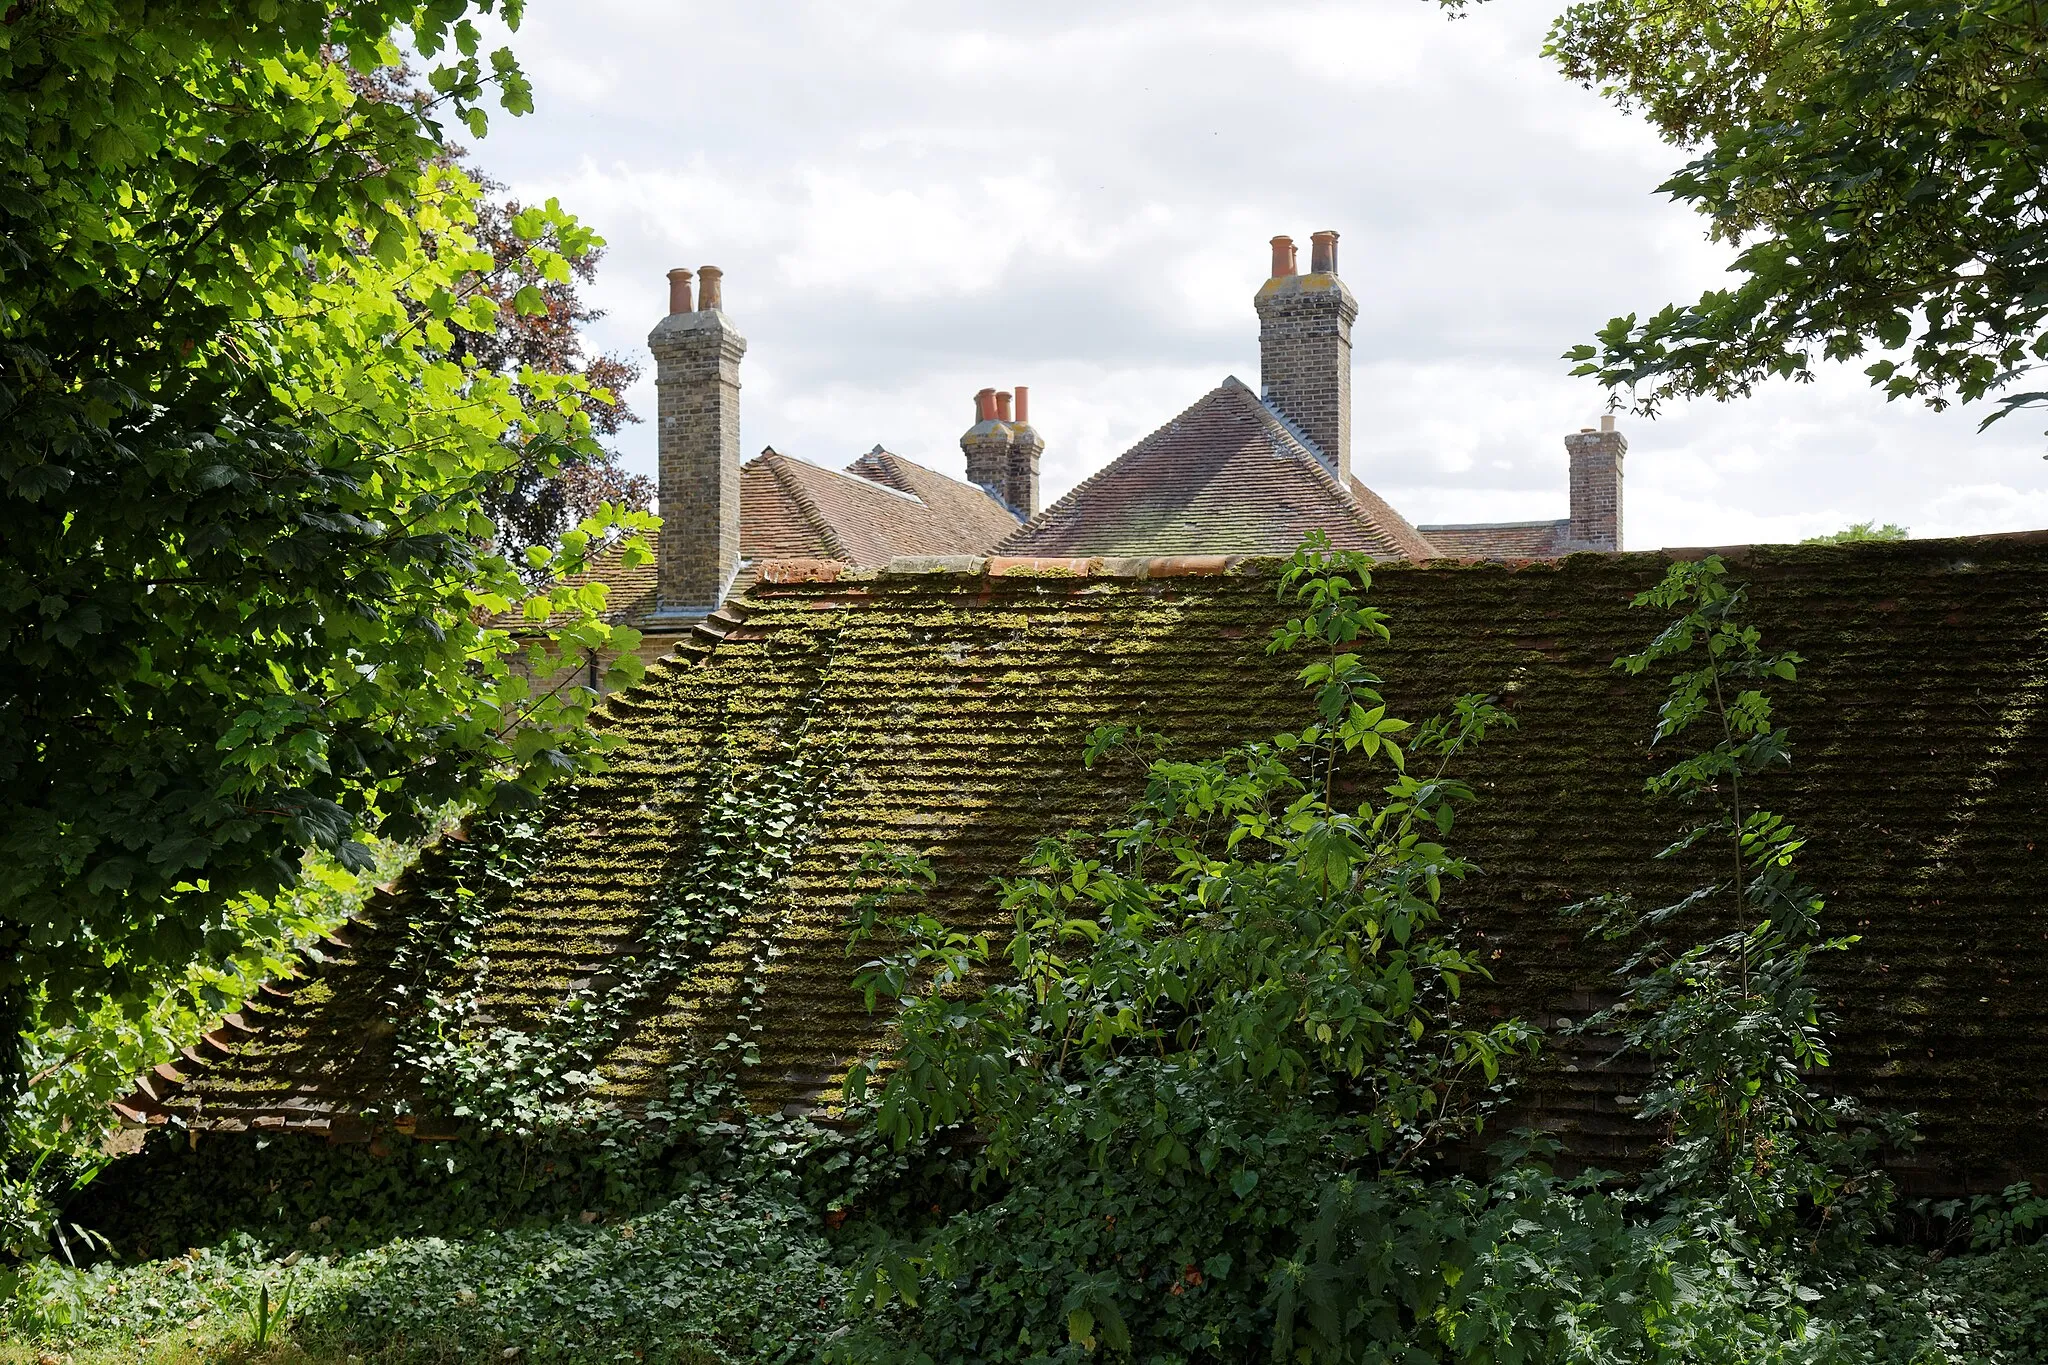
<point>956,695</point>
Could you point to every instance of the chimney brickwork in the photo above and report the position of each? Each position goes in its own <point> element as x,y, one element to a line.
<point>987,446</point>
<point>1305,346</point>
<point>1026,448</point>
<point>697,386</point>
<point>1596,457</point>
<point>1003,450</point>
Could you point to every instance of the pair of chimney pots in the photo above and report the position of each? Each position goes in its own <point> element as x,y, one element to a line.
<point>709,298</point>
<point>1322,255</point>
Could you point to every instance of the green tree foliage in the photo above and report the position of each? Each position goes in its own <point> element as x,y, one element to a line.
<point>1879,162</point>
<point>544,498</point>
<point>243,465</point>
<point>1859,531</point>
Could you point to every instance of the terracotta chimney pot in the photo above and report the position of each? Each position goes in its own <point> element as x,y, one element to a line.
<point>1323,252</point>
<point>1023,405</point>
<point>1607,421</point>
<point>679,290</point>
<point>1283,256</point>
<point>985,406</point>
<point>709,296</point>
<point>1003,407</point>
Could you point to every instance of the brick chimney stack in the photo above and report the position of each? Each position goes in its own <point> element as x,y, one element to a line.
<point>1026,448</point>
<point>1596,456</point>
<point>697,385</point>
<point>988,445</point>
<point>1305,346</point>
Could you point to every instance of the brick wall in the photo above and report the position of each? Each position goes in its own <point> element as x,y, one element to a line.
<point>1021,488</point>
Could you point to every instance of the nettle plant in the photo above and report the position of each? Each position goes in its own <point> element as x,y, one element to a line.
<point>1734,1023</point>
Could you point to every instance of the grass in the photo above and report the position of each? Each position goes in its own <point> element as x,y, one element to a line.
<point>179,1349</point>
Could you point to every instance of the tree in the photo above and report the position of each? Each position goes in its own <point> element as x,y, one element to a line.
<point>1859,531</point>
<point>533,505</point>
<point>244,462</point>
<point>536,505</point>
<point>1881,164</point>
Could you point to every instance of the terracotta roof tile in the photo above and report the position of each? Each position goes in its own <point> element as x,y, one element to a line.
<point>1227,476</point>
<point>976,518</point>
<point>882,507</point>
<point>1501,540</point>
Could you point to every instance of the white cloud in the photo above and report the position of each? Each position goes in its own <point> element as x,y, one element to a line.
<point>913,200</point>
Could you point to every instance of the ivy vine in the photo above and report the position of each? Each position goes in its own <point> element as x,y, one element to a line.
<point>757,810</point>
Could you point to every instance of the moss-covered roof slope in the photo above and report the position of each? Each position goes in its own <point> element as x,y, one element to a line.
<point>941,705</point>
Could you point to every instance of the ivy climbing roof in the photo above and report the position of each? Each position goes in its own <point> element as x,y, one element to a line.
<point>940,705</point>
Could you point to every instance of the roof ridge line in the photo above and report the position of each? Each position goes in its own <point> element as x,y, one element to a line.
<point>1318,465</point>
<point>1287,423</point>
<point>1490,525</point>
<point>786,572</point>
<point>827,537</point>
<point>1162,430</point>
<point>865,482</point>
<point>794,571</point>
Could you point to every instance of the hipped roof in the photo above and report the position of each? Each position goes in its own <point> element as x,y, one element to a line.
<point>1229,475</point>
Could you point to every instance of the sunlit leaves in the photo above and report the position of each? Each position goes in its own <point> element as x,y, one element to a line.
<point>242,467</point>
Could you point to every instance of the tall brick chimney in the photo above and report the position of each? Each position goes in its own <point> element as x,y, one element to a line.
<point>988,444</point>
<point>1305,346</point>
<point>697,386</point>
<point>1596,486</point>
<point>1026,448</point>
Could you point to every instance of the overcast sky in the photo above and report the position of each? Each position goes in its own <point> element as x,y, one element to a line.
<point>912,201</point>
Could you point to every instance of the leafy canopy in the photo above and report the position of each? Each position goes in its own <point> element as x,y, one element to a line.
<point>249,589</point>
<point>1879,163</point>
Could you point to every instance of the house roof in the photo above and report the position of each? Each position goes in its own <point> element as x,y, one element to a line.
<point>951,698</point>
<point>1501,540</point>
<point>792,509</point>
<point>883,506</point>
<point>973,516</point>
<point>1230,475</point>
